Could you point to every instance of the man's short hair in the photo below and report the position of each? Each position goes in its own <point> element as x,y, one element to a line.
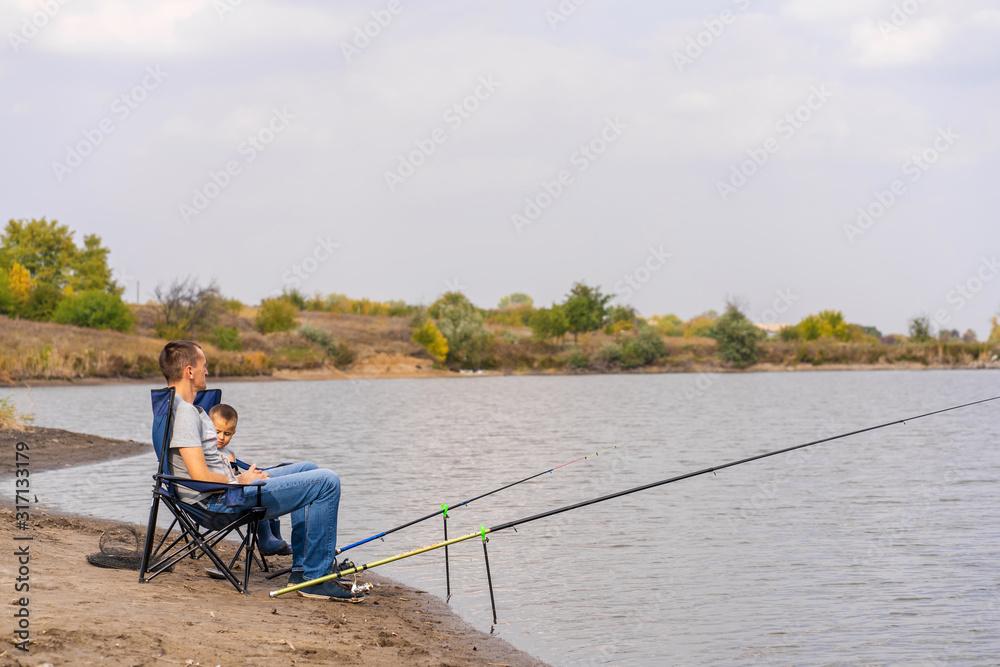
<point>225,412</point>
<point>176,356</point>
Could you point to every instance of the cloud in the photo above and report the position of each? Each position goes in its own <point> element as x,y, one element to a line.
<point>908,33</point>
<point>173,28</point>
<point>882,44</point>
<point>826,10</point>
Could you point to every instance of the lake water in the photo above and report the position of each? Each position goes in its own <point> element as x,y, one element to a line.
<point>883,548</point>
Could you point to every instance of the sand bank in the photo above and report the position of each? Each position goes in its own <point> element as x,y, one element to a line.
<point>81,614</point>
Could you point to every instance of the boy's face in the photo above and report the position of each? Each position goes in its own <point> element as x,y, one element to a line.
<point>225,429</point>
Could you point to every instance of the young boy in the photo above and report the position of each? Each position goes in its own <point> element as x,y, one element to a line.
<point>224,417</point>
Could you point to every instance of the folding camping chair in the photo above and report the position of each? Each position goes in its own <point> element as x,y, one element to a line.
<point>200,529</point>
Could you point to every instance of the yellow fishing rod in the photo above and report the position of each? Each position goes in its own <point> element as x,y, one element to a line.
<point>483,531</point>
<point>443,511</point>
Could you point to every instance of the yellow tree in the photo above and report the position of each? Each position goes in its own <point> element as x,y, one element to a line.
<point>21,282</point>
<point>432,339</point>
<point>994,332</point>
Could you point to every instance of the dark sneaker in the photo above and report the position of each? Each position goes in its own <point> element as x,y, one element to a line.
<point>330,590</point>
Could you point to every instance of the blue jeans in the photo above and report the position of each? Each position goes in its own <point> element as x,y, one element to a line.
<point>311,495</point>
<point>298,516</point>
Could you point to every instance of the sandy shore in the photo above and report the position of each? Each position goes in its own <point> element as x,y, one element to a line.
<point>85,615</point>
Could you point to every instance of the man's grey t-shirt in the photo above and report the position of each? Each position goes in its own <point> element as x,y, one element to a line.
<point>193,428</point>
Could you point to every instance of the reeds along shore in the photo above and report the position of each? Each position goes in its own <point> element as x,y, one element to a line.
<point>47,351</point>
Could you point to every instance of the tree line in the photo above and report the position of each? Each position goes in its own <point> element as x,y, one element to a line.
<point>46,275</point>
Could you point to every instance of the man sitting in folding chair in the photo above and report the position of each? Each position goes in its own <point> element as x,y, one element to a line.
<point>310,496</point>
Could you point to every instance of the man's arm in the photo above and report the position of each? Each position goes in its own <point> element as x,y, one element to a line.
<point>194,461</point>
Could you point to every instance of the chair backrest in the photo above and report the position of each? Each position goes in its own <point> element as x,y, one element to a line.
<point>163,416</point>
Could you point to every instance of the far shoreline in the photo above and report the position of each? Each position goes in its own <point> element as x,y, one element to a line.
<point>333,374</point>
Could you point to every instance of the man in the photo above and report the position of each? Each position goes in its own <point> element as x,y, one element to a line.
<point>310,496</point>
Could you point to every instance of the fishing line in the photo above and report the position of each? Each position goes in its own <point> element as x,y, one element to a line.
<point>511,524</point>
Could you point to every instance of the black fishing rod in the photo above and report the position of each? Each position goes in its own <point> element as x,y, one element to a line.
<point>445,508</point>
<point>483,531</point>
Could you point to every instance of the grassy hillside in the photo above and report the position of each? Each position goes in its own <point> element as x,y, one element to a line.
<point>382,345</point>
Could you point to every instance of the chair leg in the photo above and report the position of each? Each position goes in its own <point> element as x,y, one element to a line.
<point>251,547</point>
<point>150,536</point>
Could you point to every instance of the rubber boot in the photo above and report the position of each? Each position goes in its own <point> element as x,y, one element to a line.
<point>269,544</point>
<point>276,531</point>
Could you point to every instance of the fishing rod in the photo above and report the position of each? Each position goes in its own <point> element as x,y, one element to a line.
<point>483,531</point>
<point>445,508</point>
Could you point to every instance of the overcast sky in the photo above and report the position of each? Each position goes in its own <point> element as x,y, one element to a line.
<point>673,153</point>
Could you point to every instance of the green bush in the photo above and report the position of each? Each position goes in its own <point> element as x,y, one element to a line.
<point>646,348</point>
<point>340,352</point>
<point>294,297</point>
<point>227,338</point>
<point>548,323</point>
<point>10,418</point>
<point>578,359</point>
<point>611,354</point>
<point>171,331</point>
<point>790,333</point>
<point>314,334</point>
<point>342,355</point>
<point>668,325</point>
<point>461,323</point>
<point>95,309</point>
<point>921,329</point>
<point>275,315</point>
<point>737,338</point>
<point>42,303</point>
